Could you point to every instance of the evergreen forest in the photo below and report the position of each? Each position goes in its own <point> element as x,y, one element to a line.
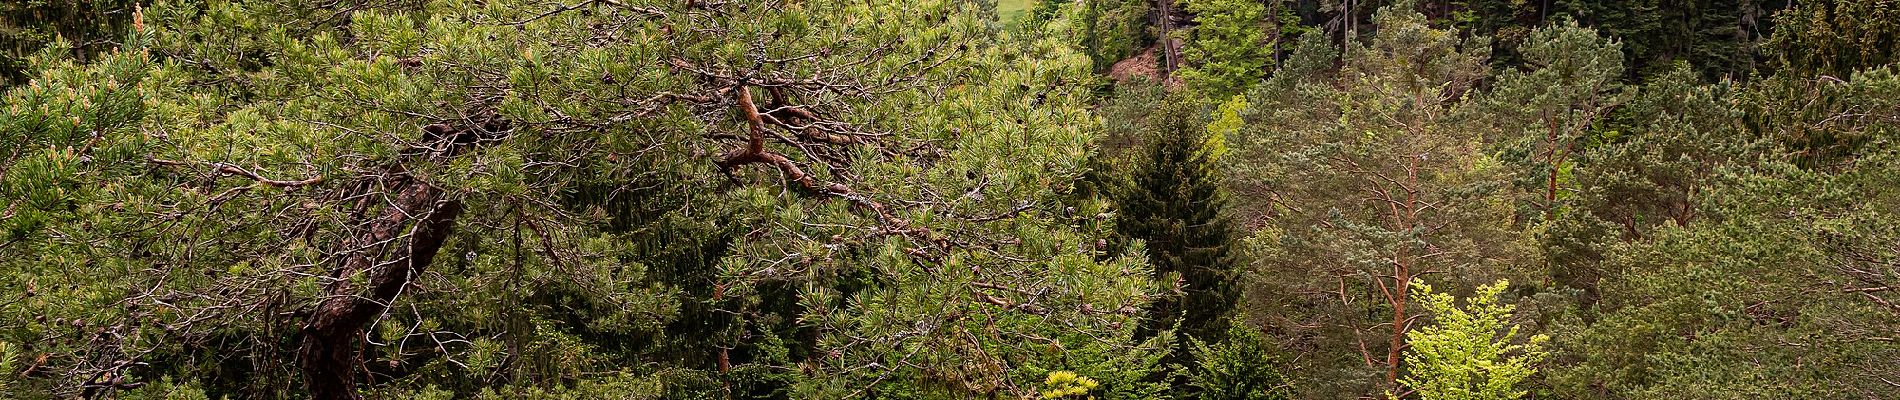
<point>950,199</point>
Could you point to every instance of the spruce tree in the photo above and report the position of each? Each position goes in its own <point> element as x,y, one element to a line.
<point>1173,204</point>
<point>1836,38</point>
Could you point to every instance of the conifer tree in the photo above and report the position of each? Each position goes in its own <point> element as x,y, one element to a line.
<point>911,199</point>
<point>1836,37</point>
<point>1547,111</point>
<point>79,29</point>
<point>1793,265</point>
<point>1108,31</point>
<point>285,199</point>
<point>1174,206</point>
<point>1365,181</point>
<point>1232,46</point>
<point>1243,366</point>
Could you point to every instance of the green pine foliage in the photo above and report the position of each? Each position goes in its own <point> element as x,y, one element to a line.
<point>1365,181</point>
<point>1779,275</point>
<point>84,30</point>
<point>1548,112</point>
<point>1825,121</point>
<point>948,199</point>
<point>525,198</point>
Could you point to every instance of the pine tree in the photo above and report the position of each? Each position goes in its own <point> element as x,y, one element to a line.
<point>1364,180</point>
<point>278,199</point>
<point>1792,265</point>
<point>1548,111</point>
<point>78,29</point>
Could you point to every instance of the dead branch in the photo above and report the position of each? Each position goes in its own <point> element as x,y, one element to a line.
<point>228,169</point>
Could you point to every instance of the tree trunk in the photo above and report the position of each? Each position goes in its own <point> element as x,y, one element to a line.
<point>1550,187</point>
<point>1168,58</point>
<point>331,336</point>
<point>1397,349</point>
<point>1403,271</point>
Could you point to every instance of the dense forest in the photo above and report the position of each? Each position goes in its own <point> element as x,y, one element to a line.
<point>949,199</point>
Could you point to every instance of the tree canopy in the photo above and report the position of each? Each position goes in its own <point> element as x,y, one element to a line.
<point>949,199</point>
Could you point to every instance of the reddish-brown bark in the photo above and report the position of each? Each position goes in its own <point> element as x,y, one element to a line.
<point>394,247</point>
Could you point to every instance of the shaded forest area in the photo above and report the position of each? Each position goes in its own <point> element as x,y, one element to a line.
<point>949,199</point>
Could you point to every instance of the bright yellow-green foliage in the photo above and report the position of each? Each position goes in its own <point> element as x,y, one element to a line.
<point>1067,385</point>
<point>1472,352</point>
<point>1233,44</point>
<point>1109,31</point>
<point>1226,123</point>
<point>9,360</point>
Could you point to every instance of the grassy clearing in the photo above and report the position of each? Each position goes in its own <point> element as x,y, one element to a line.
<point>1010,9</point>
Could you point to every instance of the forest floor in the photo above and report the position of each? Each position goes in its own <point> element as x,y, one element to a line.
<point>1146,64</point>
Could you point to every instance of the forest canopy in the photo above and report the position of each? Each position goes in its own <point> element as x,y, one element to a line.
<point>949,199</point>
